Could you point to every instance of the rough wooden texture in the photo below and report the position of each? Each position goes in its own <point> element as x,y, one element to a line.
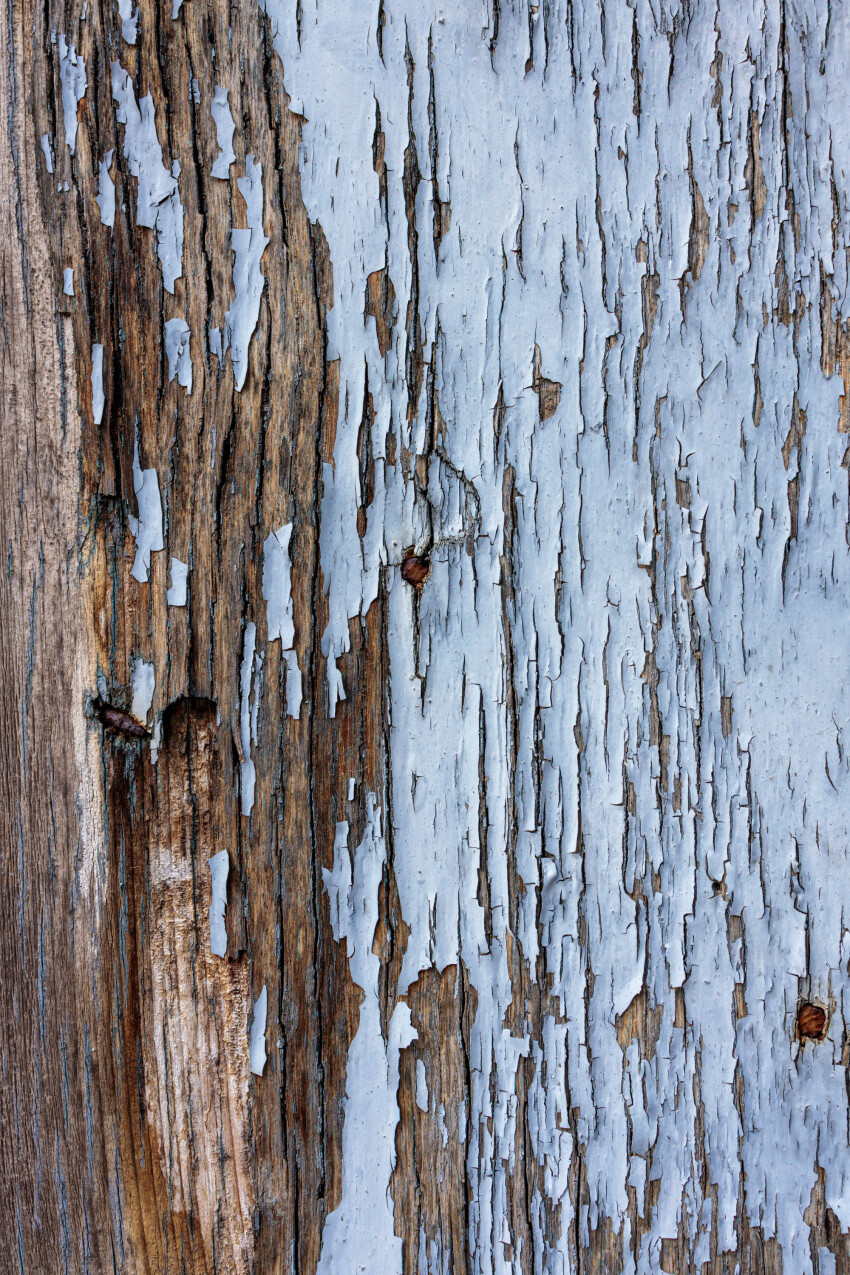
<point>549,382</point>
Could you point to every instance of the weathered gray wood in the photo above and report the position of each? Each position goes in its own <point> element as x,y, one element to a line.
<point>483,368</point>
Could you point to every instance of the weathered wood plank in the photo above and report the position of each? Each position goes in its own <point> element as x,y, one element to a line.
<point>452,486</point>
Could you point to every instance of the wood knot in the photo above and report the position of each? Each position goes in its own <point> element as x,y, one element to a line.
<point>811,1021</point>
<point>415,570</point>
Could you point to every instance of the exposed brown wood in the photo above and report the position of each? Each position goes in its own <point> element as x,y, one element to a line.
<point>140,1137</point>
<point>134,1136</point>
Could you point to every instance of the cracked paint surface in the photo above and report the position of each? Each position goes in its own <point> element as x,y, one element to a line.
<point>618,761</point>
<point>589,328</point>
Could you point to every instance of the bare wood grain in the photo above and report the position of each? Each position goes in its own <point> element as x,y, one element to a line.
<point>136,1137</point>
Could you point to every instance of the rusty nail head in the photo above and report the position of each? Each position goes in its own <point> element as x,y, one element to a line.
<point>415,570</point>
<point>116,719</point>
<point>811,1021</point>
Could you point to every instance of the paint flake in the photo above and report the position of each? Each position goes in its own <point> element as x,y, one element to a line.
<point>97,399</point>
<point>72,74</point>
<point>142,684</point>
<point>219,866</point>
<point>252,663</point>
<point>257,1046</point>
<point>47,147</point>
<point>178,352</point>
<point>176,595</point>
<point>248,280</point>
<point>129,21</point>
<point>277,592</point>
<point>106,191</point>
<point>147,528</point>
<point>224,130</point>
<point>158,201</point>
